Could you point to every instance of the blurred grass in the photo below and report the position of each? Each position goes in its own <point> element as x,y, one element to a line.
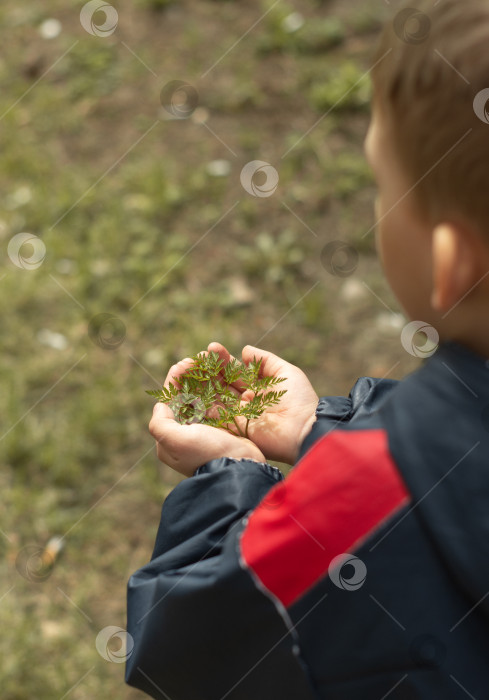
<point>136,225</point>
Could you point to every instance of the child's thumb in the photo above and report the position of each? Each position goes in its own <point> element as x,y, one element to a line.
<point>270,362</point>
<point>249,351</point>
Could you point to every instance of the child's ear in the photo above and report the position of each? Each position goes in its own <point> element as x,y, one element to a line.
<point>456,260</point>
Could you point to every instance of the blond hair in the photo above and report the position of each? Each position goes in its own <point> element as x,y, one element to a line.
<point>432,62</point>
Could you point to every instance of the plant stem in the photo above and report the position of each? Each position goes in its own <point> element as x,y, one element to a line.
<point>239,430</point>
<point>246,429</point>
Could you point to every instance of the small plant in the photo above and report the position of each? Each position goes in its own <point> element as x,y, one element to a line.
<point>206,385</point>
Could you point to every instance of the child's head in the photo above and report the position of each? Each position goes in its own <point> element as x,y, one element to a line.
<point>430,153</point>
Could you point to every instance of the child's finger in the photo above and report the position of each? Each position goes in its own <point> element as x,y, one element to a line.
<point>271,365</point>
<point>177,371</point>
<point>162,411</point>
<point>167,433</point>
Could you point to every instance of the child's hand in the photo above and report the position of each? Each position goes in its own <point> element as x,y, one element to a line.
<point>186,447</point>
<point>279,432</point>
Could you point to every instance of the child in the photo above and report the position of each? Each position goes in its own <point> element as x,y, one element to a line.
<point>365,573</point>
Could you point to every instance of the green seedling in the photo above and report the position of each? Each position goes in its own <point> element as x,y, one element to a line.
<point>207,385</point>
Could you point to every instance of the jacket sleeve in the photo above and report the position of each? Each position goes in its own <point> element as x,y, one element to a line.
<point>366,396</point>
<point>201,627</point>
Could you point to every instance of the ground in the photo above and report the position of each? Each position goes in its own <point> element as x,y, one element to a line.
<point>143,218</point>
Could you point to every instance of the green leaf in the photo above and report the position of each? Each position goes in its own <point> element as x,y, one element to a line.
<point>154,392</point>
<point>223,414</point>
<point>200,387</point>
<point>232,371</point>
<point>265,382</point>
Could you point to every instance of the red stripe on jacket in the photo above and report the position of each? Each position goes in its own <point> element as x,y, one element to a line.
<point>344,487</point>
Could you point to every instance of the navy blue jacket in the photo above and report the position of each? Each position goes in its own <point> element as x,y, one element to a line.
<point>363,575</point>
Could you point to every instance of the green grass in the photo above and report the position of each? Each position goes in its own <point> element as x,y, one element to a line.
<point>144,233</point>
